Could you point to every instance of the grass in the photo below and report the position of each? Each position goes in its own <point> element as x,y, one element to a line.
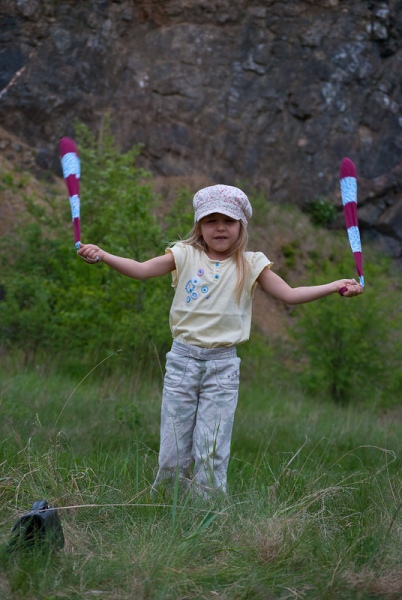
<point>313,512</point>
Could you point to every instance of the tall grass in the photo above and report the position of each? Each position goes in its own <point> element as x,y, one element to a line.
<point>313,511</point>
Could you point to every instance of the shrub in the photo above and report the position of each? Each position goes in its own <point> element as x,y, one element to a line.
<point>52,299</point>
<point>321,211</point>
<point>347,345</point>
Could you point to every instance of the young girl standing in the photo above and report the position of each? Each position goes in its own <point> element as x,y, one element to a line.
<point>214,278</point>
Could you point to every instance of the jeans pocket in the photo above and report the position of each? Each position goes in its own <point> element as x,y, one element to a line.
<point>176,366</point>
<point>228,373</point>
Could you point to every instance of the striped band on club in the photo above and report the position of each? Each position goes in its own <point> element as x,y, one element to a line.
<point>70,164</point>
<point>348,183</point>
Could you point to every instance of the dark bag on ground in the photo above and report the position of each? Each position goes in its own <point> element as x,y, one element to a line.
<point>40,527</point>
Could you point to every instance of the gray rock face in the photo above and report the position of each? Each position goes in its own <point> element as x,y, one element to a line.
<point>273,93</point>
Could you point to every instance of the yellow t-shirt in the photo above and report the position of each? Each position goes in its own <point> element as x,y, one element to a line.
<point>204,310</point>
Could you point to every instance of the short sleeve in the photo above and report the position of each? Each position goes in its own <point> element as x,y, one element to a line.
<point>179,254</point>
<point>258,262</point>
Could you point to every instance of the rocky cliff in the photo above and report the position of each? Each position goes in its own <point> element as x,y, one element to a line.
<point>264,92</point>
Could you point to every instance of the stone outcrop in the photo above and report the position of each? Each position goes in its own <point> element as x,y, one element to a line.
<point>264,93</point>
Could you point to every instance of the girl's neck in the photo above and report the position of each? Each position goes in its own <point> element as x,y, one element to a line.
<point>219,256</point>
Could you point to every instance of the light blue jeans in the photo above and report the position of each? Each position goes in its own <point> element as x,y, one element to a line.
<point>198,405</point>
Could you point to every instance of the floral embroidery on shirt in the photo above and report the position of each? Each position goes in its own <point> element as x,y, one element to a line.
<point>192,285</point>
<point>189,286</point>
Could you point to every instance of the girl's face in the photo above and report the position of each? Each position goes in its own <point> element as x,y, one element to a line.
<point>220,232</point>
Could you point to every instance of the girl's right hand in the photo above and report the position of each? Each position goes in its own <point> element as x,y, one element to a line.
<point>90,253</point>
<point>349,287</point>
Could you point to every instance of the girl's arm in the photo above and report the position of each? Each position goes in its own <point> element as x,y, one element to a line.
<point>160,265</point>
<point>277,287</point>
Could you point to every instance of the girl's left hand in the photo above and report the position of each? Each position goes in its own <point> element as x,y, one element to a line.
<point>90,253</point>
<point>349,288</point>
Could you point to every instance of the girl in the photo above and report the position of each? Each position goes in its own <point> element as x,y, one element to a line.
<point>214,278</point>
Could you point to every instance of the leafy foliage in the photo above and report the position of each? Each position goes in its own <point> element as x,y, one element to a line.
<point>322,212</point>
<point>349,345</point>
<point>52,299</point>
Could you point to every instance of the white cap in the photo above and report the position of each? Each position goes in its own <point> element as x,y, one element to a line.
<point>224,199</point>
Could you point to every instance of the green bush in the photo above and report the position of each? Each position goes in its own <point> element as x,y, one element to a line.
<point>346,345</point>
<point>322,212</point>
<point>55,301</point>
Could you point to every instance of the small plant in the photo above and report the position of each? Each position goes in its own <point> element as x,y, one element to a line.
<point>322,212</point>
<point>290,252</point>
<point>8,179</point>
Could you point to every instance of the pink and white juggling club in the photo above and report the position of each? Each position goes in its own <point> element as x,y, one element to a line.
<point>348,184</point>
<point>70,164</point>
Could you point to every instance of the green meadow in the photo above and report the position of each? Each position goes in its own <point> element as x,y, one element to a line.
<point>313,510</point>
<point>314,507</point>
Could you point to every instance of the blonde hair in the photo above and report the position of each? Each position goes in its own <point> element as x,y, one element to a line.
<point>196,240</point>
